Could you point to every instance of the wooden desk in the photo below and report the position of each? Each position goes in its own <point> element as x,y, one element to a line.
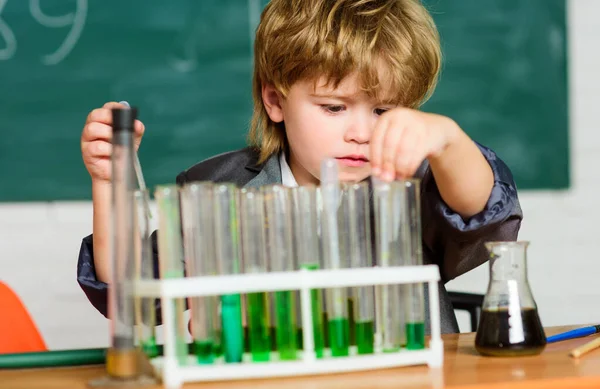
<point>463,368</point>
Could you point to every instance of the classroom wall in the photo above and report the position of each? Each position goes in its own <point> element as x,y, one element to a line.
<point>39,242</point>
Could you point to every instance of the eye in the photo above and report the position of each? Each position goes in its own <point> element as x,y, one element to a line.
<point>380,111</point>
<point>333,108</point>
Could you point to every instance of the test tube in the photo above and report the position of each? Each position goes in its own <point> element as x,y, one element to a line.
<point>170,254</point>
<point>228,259</point>
<point>255,261</point>
<point>344,217</point>
<point>359,253</point>
<point>337,305</point>
<point>121,356</point>
<point>304,215</point>
<point>391,230</point>
<point>145,306</point>
<point>415,319</point>
<point>199,244</point>
<point>278,212</point>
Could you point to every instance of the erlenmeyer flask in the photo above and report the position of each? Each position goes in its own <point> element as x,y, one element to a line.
<point>509,323</point>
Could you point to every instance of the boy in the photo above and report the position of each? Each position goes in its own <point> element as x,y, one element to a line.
<point>343,79</point>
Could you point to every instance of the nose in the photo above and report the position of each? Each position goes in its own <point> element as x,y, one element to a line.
<point>359,129</point>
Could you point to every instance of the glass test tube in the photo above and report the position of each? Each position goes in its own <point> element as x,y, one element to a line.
<point>391,243</point>
<point>255,261</point>
<point>304,215</point>
<point>121,355</point>
<point>145,306</point>
<point>170,254</point>
<point>278,212</point>
<point>337,304</point>
<point>199,244</point>
<point>228,259</point>
<point>359,253</point>
<point>415,315</point>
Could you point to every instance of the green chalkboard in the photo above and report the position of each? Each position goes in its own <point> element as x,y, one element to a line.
<point>186,64</point>
<point>504,80</point>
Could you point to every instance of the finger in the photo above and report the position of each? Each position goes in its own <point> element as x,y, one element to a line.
<point>114,104</point>
<point>376,144</point>
<point>139,129</point>
<point>104,114</point>
<point>100,115</point>
<point>97,131</point>
<point>392,140</point>
<point>406,152</point>
<point>418,155</point>
<point>99,149</point>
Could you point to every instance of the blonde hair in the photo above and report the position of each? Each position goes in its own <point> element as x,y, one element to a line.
<point>307,39</point>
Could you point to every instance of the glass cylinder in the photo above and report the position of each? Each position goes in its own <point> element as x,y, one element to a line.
<point>358,226</point>
<point>252,221</point>
<point>227,238</point>
<point>145,306</point>
<point>306,241</point>
<point>170,254</point>
<point>392,247</point>
<point>337,298</point>
<point>415,304</point>
<point>121,306</point>
<point>281,259</point>
<point>199,243</point>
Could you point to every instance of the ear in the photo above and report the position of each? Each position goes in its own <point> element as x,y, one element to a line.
<point>272,101</point>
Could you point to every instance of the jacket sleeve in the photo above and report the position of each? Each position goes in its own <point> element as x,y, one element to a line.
<point>458,244</point>
<point>97,291</point>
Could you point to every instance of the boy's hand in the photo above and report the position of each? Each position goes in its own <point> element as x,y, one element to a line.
<point>404,137</point>
<point>96,147</point>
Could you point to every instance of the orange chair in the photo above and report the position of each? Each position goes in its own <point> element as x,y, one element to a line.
<point>18,332</point>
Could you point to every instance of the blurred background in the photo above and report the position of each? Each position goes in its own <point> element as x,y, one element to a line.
<point>519,76</point>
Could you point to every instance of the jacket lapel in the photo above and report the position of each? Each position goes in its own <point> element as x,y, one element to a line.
<point>270,173</point>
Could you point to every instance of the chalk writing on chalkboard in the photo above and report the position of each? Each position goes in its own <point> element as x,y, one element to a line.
<point>75,20</point>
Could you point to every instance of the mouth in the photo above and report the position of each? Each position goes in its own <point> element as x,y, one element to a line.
<point>353,160</point>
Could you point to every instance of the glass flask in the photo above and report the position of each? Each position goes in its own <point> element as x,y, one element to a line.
<point>509,323</point>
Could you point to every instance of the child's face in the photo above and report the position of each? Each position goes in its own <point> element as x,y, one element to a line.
<point>324,122</point>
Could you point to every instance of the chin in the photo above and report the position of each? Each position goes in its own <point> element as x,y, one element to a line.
<point>353,176</point>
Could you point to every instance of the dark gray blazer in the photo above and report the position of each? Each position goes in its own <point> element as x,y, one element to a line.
<point>454,244</point>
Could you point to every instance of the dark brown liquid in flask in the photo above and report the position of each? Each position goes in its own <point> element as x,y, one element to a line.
<point>494,333</point>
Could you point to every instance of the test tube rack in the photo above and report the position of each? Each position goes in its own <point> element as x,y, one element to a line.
<point>174,374</point>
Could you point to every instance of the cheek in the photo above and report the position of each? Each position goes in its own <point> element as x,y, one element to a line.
<point>310,128</point>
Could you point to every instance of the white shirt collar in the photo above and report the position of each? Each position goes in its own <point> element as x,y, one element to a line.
<point>287,178</point>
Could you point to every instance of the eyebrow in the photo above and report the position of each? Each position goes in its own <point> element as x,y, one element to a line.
<point>335,96</point>
<point>348,97</point>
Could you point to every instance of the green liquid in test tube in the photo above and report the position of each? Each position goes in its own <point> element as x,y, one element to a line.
<point>304,215</point>
<point>280,249</point>
<point>355,207</point>
<point>415,315</point>
<point>255,261</point>
<point>198,232</point>
<point>228,259</point>
<point>337,304</point>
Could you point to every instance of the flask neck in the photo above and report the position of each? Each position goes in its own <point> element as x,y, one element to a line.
<point>508,261</point>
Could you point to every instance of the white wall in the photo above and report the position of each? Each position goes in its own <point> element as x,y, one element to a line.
<point>39,242</point>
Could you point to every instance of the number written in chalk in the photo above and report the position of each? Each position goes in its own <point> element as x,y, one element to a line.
<point>75,20</point>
